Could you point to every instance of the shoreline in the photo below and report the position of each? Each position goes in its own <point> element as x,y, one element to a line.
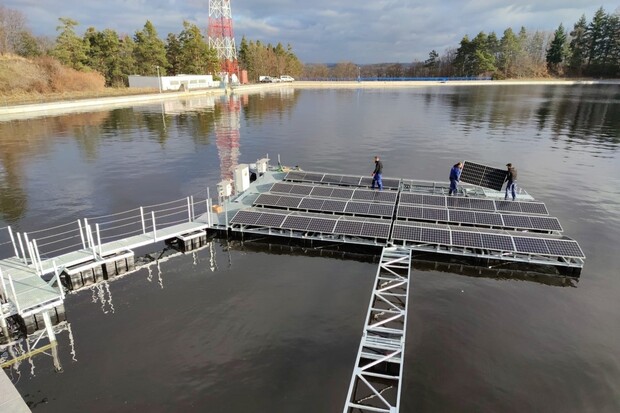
<point>83,105</point>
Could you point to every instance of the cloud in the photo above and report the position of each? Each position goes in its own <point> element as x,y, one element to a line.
<point>324,31</point>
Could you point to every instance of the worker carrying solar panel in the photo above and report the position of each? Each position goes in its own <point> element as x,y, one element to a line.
<point>511,181</point>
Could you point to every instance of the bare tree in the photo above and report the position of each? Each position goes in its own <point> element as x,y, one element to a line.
<point>12,25</point>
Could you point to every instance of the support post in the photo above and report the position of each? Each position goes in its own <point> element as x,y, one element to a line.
<point>154,226</point>
<point>5,292</point>
<point>91,241</point>
<point>14,294</point>
<point>191,198</point>
<point>87,231</point>
<point>49,327</point>
<point>209,217</point>
<point>142,217</point>
<point>21,247</point>
<point>57,274</point>
<point>13,241</point>
<point>99,240</point>
<point>36,253</point>
<point>81,234</point>
<point>189,211</point>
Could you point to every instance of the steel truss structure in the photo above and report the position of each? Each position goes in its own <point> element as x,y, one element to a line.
<point>376,383</point>
<point>221,36</point>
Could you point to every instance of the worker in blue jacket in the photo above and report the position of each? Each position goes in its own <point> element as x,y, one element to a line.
<point>377,173</point>
<point>455,177</point>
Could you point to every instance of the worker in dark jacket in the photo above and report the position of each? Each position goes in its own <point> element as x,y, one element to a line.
<point>376,174</point>
<point>455,177</point>
<point>511,181</point>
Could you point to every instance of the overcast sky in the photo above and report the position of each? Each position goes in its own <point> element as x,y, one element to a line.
<point>323,31</point>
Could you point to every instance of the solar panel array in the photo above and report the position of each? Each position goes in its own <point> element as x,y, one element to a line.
<point>501,241</point>
<point>350,226</point>
<point>325,205</point>
<point>331,192</point>
<point>459,202</point>
<point>491,219</point>
<point>483,175</point>
<point>344,180</point>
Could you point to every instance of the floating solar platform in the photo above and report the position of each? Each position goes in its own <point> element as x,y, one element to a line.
<point>483,175</point>
<point>332,207</point>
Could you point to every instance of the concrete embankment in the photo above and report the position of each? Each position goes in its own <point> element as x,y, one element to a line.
<point>10,400</point>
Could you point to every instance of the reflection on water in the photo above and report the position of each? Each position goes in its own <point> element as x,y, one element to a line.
<point>275,328</point>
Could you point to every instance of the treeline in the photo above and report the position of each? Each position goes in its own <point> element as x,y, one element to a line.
<point>267,60</point>
<point>116,56</point>
<point>589,49</point>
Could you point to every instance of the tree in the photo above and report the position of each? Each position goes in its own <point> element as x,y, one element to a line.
<point>28,45</point>
<point>149,52</point>
<point>173,54</point>
<point>432,63</point>
<point>345,70</point>
<point>509,53</point>
<point>126,57</point>
<point>555,54</point>
<point>12,27</point>
<point>578,46</point>
<point>196,56</point>
<point>70,49</point>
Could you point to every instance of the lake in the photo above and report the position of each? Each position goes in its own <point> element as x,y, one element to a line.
<point>247,328</point>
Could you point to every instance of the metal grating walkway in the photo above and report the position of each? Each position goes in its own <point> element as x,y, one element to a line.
<point>376,383</point>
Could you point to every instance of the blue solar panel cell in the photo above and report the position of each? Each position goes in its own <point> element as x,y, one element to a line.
<point>270,220</point>
<point>531,245</point>
<point>245,217</point>
<point>406,233</point>
<point>348,227</point>
<point>296,222</point>
<point>497,242</point>
<point>466,239</point>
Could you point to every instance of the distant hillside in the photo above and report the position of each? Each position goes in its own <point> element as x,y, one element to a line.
<point>44,75</point>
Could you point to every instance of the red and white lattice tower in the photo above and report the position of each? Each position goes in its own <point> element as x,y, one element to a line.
<point>227,135</point>
<point>221,36</point>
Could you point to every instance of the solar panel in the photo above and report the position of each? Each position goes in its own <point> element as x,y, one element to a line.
<point>281,187</point>
<point>410,211</point>
<point>296,222</point>
<point>458,202</point>
<point>534,208</point>
<point>313,177</point>
<point>331,179</point>
<point>564,248</point>
<point>289,201</point>
<point>375,229</point>
<point>348,227</point>
<point>342,193</point>
<point>294,176</point>
<point>517,221</point>
<point>366,181</point>
<point>390,183</point>
<point>311,204</point>
<point>547,223</point>
<point>488,218</point>
<point>267,199</point>
<point>383,210</point>
<point>509,206</point>
<point>531,245</point>
<point>332,205</point>
<point>482,204</point>
<point>322,191</point>
<point>435,214</point>
<point>483,175</point>
<point>270,220</point>
<point>365,195</point>
<point>357,207</point>
<point>465,217</point>
<point>246,217</point>
<point>350,180</point>
<point>405,232</point>
<point>385,196</point>
<point>409,198</point>
<point>467,239</point>
<point>322,225</point>
<point>496,242</point>
<point>301,190</point>
<point>435,200</point>
<point>435,236</point>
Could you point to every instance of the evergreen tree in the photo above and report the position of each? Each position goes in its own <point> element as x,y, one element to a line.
<point>194,50</point>
<point>149,52</point>
<point>555,54</point>
<point>578,46</point>
<point>70,49</point>
<point>126,56</point>
<point>509,53</point>
<point>27,45</point>
<point>595,37</point>
<point>433,60</point>
<point>173,54</point>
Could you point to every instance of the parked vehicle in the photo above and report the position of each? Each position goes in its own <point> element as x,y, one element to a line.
<point>286,78</point>
<point>265,79</point>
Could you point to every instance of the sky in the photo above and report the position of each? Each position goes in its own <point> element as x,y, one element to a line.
<point>323,31</point>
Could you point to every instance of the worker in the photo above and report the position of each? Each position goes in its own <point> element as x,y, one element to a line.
<point>455,177</point>
<point>511,181</point>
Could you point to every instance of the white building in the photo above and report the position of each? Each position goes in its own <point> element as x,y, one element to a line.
<point>174,83</point>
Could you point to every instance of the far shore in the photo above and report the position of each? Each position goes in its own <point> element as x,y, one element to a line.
<point>81,105</point>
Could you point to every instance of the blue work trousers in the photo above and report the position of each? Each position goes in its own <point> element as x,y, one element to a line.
<point>511,188</point>
<point>453,186</point>
<point>377,179</point>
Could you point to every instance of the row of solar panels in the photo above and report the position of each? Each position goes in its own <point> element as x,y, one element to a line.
<point>501,241</point>
<point>325,205</point>
<point>332,192</point>
<point>460,202</point>
<point>492,219</point>
<point>334,179</point>
<point>372,228</point>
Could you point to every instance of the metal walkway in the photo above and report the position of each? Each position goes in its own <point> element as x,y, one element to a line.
<point>376,383</point>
